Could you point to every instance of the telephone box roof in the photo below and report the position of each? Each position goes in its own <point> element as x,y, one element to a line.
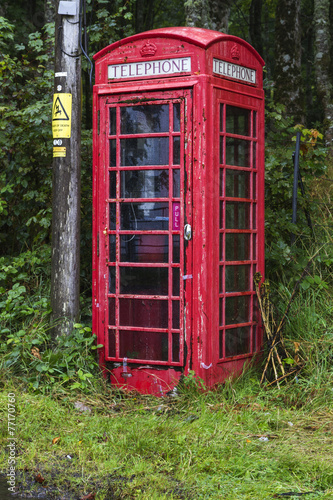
<point>197,36</point>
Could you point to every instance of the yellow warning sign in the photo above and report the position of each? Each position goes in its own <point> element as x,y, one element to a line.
<point>59,152</point>
<point>61,115</point>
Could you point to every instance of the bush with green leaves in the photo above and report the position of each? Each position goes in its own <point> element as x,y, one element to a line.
<point>71,364</point>
<point>26,82</point>
<point>281,256</point>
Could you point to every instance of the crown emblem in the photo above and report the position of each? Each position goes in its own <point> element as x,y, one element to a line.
<point>235,54</point>
<point>148,49</point>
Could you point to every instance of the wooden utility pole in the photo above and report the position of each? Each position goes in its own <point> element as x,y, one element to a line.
<point>66,127</point>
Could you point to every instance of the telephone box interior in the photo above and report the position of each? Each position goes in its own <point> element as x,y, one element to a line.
<point>178,198</point>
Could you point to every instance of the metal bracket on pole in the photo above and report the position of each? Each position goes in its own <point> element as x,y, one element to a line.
<point>67,8</point>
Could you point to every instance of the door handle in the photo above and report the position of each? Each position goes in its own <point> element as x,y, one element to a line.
<point>187,232</point>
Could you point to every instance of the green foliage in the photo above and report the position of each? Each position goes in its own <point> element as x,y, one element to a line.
<point>191,385</point>
<point>279,171</point>
<point>25,348</point>
<point>69,365</point>
<point>110,23</point>
<point>25,141</point>
<point>23,284</point>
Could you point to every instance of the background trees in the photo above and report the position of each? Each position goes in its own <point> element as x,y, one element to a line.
<point>294,38</point>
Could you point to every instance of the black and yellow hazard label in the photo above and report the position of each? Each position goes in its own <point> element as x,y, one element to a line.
<point>61,116</point>
<point>59,152</point>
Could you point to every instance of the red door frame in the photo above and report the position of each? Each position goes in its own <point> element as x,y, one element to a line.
<point>254,200</point>
<point>102,231</point>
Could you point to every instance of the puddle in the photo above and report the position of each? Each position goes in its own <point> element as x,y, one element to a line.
<point>8,495</point>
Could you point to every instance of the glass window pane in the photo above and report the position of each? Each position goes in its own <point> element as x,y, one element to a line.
<point>176,183</point>
<point>144,216</point>
<point>238,120</point>
<point>112,279</point>
<point>176,248</point>
<point>176,117</point>
<point>149,118</point>
<point>254,246</point>
<point>221,181</point>
<point>237,278</point>
<point>112,343</point>
<point>175,347</point>
<point>144,280</point>
<point>175,281</point>
<point>254,196</point>
<point>112,216</point>
<point>237,246</point>
<point>221,312</point>
<point>237,184</point>
<point>175,314</point>
<point>112,311</point>
<point>221,117</point>
<point>113,122</point>
<point>221,214</point>
<point>237,309</point>
<point>113,184</point>
<point>176,150</point>
<point>146,313</point>
<point>237,152</point>
<point>254,124</point>
<point>237,341</point>
<point>144,248</point>
<point>221,246</point>
<point>143,345</point>
<point>221,336</point>
<point>141,151</point>
<point>113,153</point>
<point>112,248</point>
<point>221,150</point>
<point>254,162</point>
<point>237,215</point>
<point>221,279</point>
<point>145,184</point>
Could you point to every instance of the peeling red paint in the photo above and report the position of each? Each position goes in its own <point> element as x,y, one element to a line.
<point>207,293</point>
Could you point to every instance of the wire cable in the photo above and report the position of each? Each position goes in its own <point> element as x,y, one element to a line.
<point>83,14</point>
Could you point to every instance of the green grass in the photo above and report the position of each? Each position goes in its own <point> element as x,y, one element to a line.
<point>195,447</point>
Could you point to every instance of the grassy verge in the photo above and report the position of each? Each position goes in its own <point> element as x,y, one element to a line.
<point>196,446</point>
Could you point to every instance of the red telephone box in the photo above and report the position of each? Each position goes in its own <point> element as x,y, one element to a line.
<point>178,206</point>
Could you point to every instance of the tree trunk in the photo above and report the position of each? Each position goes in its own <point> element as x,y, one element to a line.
<point>287,73</point>
<point>65,276</point>
<point>255,25</point>
<point>219,15</point>
<point>209,14</point>
<point>197,13</point>
<point>49,12</point>
<point>323,65</point>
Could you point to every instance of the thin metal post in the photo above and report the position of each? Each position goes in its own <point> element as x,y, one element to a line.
<point>295,184</point>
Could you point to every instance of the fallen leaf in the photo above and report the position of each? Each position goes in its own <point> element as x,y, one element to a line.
<point>35,352</point>
<point>39,478</point>
<point>55,440</point>
<point>90,496</point>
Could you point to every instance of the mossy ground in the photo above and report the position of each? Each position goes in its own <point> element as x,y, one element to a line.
<point>196,446</point>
